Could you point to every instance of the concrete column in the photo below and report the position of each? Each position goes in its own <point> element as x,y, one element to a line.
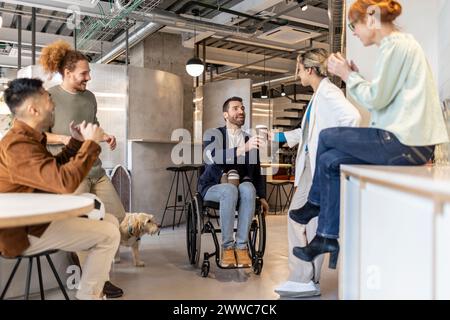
<point>137,55</point>
<point>164,51</point>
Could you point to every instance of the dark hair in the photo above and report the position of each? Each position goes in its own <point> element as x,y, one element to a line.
<point>20,90</point>
<point>226,103</point>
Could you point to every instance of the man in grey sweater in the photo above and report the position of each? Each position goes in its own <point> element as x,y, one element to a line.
<point>74,103</point>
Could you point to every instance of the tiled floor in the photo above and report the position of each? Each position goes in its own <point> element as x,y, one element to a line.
<point>169,276</point>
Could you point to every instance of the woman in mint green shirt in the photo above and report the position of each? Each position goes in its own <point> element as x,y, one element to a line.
<point>406,118</point>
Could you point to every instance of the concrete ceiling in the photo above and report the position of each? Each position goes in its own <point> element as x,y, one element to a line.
<point>225,52</point>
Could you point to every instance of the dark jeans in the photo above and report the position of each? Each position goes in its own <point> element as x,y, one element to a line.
<point>354,146</point>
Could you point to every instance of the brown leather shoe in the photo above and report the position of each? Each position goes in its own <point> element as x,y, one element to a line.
<point>243,258</point>
<point>228,258</point>
<point>112,291</point>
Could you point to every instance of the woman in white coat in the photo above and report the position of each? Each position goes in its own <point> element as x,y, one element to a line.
<point>328,108</point>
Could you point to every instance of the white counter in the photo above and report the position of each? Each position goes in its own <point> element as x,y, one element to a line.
<point>395,232</point>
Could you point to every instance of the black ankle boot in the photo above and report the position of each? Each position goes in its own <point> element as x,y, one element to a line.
<point>305,213</point>
<point>317,246</point>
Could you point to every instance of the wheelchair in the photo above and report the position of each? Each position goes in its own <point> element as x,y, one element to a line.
<point>200,217</point>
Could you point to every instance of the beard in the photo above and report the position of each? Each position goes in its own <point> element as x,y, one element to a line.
<point>81,86</point>
<point>238,121</point>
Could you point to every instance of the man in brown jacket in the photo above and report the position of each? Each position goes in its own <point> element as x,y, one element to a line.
<point>27,166</point>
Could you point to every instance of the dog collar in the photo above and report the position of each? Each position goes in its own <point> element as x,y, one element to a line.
<point>130,230</point>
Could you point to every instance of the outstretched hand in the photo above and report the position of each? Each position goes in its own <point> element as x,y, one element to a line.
<point>91,131</point>
<point>338,66</point>
<point>75,132</point>
<point>111,140</point>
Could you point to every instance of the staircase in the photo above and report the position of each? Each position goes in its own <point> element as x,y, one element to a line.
<point>288,119</point>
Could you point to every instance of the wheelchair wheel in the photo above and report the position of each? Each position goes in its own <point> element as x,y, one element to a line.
<point>257,236</point>
<point>205,268</point>
<point>193,233</point>
<point>257,266</point>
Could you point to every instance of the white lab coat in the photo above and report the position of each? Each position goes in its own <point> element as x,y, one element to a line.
<point>330,108</point>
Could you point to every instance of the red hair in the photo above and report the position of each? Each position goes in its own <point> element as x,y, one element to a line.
<point>389,10</point>
<point>59,56</point>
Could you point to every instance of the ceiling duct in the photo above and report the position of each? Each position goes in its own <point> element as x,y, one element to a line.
<point>173,19</point>
<point>84,3</point>
<point>288,35</point>
<point>187,6</point>
<point>112,21</point>
<point>157,19</point>
<point>136,37</point>
<point>336,13</point>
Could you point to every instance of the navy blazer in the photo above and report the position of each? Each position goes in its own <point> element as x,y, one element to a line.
<point>220,159</point>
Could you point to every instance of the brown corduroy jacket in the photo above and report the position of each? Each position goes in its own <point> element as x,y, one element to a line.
<point>27,166</point>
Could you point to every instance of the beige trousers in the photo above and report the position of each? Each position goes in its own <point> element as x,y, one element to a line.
<point>104,189</point>
<point>82,255</point>
<point>300,235</point>
<point>99,238</point>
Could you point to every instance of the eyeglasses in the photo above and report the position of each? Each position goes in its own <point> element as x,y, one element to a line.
<point>351,26</point>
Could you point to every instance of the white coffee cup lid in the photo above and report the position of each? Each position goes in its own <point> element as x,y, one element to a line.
<point>261,126</point>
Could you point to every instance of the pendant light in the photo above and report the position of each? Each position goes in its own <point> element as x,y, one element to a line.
<point>264,92</point>
<point>283,92</point>
<point>194,66</point>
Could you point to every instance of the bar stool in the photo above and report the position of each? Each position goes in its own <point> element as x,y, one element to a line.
<point>196,170</point>
<point>30,258</point>
<point>278,186</point>
<point>182,190</point>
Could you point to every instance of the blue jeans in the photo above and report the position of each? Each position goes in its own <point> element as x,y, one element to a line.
<point>228,196</point>
<point>354,146</point>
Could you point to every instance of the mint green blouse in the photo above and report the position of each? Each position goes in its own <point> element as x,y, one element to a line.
<point>402,97</point>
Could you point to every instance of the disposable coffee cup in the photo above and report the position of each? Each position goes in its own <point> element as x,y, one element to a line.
<point>233,177</point>
<point>264,151</point>
<point>262,131</point>
<point>224,178</point>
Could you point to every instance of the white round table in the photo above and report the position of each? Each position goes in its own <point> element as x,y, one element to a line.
<point>23,209</point>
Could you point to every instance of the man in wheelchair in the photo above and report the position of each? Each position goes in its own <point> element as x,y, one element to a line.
<point>232,177</point>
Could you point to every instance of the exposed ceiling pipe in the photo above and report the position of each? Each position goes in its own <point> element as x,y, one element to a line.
<point>157,19</point>
<point>172,19</point>
<point>191,4</point>
<point>136,37</point>
<point>63,6</point>
<point>38,15</point>
<point>336,12</point>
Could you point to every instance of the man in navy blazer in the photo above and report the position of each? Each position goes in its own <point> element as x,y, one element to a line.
<point>225,149</point>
